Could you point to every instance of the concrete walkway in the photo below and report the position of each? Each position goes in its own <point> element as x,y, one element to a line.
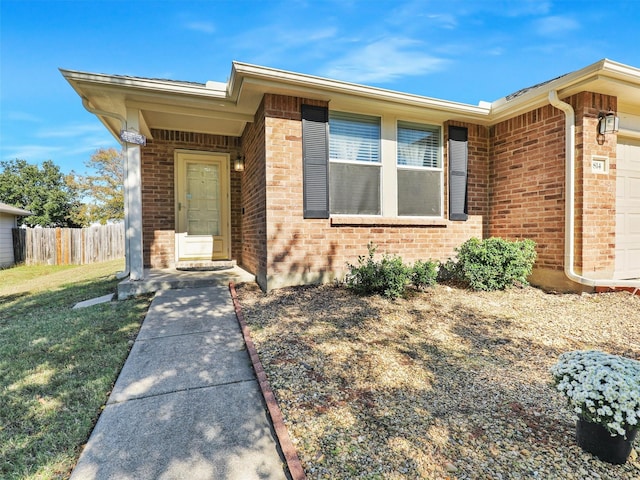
<point>186,404</point>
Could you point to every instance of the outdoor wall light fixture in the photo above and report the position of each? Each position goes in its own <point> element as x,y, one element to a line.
<point>238,164</point>
<point>607,123</point>
<point>131,136</point>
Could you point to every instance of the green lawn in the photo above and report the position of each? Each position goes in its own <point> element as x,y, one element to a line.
<point>57,365</point>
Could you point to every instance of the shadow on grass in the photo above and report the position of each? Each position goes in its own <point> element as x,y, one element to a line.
<point>57,366</point>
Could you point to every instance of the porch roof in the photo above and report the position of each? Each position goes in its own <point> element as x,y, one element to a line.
<point>226,108</point>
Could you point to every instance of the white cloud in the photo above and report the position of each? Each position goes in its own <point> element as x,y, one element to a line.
<point>22,117</point>
<point>444,20</point>
<point>278,38</point>
<point>413,15</point>
<point>522,8</point>
<point>554,25</point>
<point>385,60</point>
<point>67,146</point>
<point>31,153</point>
<point>70,131</point>
<point>279,44</point>
<point>202,27</point>
<point>38,153</point>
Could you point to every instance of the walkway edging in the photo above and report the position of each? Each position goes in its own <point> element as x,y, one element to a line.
<point>288,449</point>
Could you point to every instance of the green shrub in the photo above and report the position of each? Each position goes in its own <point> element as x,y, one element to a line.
<point>491,264</point>
<point>395,276</point>
<point>448,271</point>
<point>388,276</point>
<point>424,274</point>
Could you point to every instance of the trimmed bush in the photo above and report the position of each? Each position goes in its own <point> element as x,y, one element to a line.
<point>389,276</point>
<point>491,264</point>
<point>424,274</point>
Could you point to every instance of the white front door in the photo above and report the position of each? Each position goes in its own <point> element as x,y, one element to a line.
<point>627,209</point>
<point>202,206</point>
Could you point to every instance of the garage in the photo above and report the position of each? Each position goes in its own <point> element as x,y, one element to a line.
<point>627,209</point>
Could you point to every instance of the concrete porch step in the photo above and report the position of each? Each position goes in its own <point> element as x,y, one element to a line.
<point>205,265</point>
<point>168,279</point>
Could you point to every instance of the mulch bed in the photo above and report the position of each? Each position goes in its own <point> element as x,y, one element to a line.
<point>446,383</point>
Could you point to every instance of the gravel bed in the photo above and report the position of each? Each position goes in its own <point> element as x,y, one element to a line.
<point>446,384</point>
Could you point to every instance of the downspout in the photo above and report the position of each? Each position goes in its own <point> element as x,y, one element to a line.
<point>123,122</point>
<point>569,222</point>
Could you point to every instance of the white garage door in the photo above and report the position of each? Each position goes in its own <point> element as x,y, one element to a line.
<point>628,209</point>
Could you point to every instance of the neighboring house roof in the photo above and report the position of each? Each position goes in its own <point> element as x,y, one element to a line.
<point>4,208</point>
<point>522,91</point>
<point>226,108</point>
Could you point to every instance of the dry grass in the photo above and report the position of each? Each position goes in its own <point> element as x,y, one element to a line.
<point>445,384</point>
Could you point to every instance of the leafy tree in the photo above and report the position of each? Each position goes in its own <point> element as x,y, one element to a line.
<point>106,187</point>
<point>43,190</point>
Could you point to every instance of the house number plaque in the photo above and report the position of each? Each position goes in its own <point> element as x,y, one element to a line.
<point>599,165</point>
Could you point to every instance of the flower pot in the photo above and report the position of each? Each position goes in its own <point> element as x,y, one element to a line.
<point>595,439</point>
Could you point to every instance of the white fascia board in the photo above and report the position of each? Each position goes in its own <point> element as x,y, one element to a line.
<point>148,84</point>
<point>311,83</point>
<point>602,70</point>
<point>620,69</point>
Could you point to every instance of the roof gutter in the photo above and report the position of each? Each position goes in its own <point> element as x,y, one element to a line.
<point>569,222</point>
<point>123,122</point>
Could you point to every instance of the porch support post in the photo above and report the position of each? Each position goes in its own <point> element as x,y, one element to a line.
<point>133,195</point>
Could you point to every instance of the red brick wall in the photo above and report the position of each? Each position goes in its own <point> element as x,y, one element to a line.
<point>526,198</point>
<point>158,207</point>
<point>527,176</point>
<point>253,202</point>
<point>595,193</point>
<point>516,190</point>
<point>310,250</point>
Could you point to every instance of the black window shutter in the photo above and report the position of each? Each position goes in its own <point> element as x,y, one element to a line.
<point>458,162</point>
<point>315,152</point>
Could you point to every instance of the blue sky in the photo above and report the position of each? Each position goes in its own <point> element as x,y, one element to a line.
<point>465,51</point>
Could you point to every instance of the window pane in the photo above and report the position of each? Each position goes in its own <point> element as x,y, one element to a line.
<point>354,189</point>
<point>419,192</point>
<point>418,145</point>
<point>354,137</point>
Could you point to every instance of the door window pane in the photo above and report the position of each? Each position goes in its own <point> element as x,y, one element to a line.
<point>203,199</point>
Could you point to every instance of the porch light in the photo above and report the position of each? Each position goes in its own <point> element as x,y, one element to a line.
<point>238,165</point>
<point>607,123</point>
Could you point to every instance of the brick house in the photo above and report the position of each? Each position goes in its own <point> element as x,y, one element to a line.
<point>292,175</point>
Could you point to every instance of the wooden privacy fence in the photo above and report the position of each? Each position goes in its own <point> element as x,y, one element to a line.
<point>68,246</point>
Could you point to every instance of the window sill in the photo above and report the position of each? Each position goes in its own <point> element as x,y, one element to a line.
<point>388,221</point>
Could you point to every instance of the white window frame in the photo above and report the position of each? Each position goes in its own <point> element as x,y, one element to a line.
<point>378,165</point>
<point>388,165</point>
<point>440,161</point>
